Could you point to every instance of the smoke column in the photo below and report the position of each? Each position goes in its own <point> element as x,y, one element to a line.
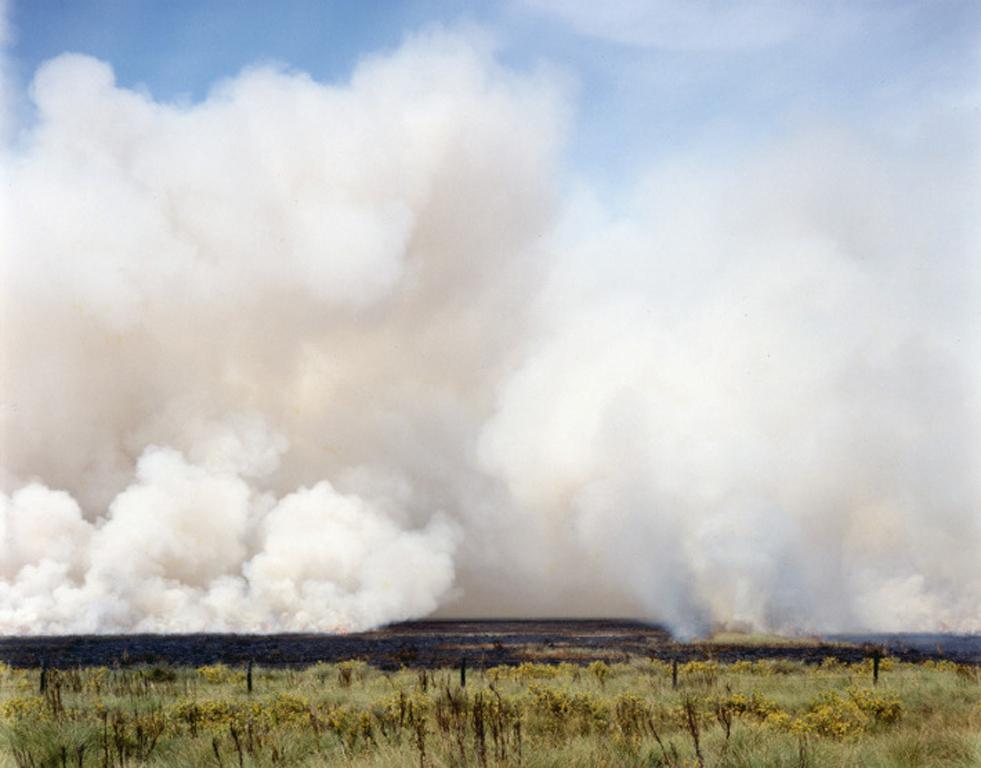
<point>308,356</point>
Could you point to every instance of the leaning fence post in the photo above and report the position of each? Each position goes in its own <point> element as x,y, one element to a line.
<point>674,673</point>
<point>463,671</point>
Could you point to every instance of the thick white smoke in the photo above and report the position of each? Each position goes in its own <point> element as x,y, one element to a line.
<point>255,338</point>
<point>758,397</point>
<point>189,546</point>
<point>308,356</point>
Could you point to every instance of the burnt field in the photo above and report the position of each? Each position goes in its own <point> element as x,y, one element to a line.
<point>483,643</point>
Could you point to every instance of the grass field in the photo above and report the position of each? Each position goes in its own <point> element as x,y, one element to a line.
<point>771,713</point>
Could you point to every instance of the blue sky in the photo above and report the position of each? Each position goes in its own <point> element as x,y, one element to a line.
<point>648,78</point>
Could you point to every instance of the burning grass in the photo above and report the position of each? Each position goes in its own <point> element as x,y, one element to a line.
<point>762,713</point>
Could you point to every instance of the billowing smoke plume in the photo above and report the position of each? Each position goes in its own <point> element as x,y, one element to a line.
<point>308,356</point>
<point>256,339</point>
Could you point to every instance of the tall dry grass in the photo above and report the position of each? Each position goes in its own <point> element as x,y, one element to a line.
<point>630,714</point>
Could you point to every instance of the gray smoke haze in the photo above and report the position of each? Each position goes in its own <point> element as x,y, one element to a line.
<point>308,356</point>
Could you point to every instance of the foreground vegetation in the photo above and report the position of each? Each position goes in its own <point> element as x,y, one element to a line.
<point>641,713</point>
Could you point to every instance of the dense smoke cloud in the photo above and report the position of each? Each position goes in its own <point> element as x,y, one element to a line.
<point>308,356</point>
<point>255,338</point>
<point>757,400</point>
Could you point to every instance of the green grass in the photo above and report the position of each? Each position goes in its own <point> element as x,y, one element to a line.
<point>745,714</point>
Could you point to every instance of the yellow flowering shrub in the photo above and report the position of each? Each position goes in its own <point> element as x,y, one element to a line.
<point>742,667</point>
<point>631,716</point>
<point>288,709</point>
<point>24,708</point>
<point>833,715</point>
<point>703,672</point>
<point>886,664</point>
<point>560,711</point>
<point>755,705</point>
<point>218,674</point>
<point>523,672</point>
<point>351,670</point>
<point>600,670</point>
<point>941,665</point>
<point>212,713</point>
<point>879,708</point>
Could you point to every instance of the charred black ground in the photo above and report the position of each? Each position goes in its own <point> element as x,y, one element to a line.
<point>444,643</point>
